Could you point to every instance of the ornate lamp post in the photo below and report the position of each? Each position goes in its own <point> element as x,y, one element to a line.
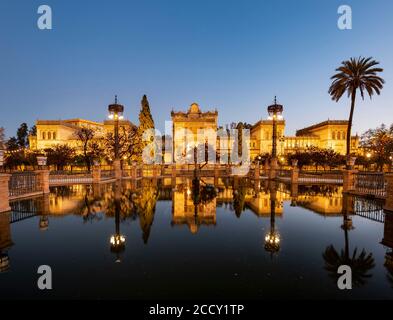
<point>275,113</point>
<point>116,114</point>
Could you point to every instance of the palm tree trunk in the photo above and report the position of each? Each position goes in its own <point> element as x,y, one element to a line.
<point>353,99</point>
<point>346,250</point>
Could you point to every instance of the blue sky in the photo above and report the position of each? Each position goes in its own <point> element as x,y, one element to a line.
<point>225,54</point>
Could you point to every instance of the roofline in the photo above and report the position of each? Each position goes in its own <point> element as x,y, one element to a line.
<point>323,123</point>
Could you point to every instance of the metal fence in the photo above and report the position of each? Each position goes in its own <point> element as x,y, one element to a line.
<point>370,183</point>
<point>23,183</point>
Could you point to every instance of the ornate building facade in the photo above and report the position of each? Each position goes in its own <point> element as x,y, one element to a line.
<point>54,132</point>
<point>195,127</point>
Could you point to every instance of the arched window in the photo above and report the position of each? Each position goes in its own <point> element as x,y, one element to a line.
<point>339,135</point>
<point>49,135</point>
<point>334,135</point>
<point>54,135</point>
<point>343,135</point>
<point>44,136</point>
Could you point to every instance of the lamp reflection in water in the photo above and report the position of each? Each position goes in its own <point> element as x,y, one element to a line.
<point>117,240</point>
<point>272,239</point>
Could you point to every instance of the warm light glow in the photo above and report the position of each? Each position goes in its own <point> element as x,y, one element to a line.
<point>188,192</point>
<point>117,240</point>
<point>368,155</point>
<point>110,116</point>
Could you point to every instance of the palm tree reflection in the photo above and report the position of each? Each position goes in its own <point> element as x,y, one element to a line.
<point>360,263</point>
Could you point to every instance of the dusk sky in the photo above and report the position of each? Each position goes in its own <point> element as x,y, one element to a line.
<point>231,55</point>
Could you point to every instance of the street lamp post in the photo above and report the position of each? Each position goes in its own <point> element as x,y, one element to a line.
<point>116,114</point>
<point>275,113</point>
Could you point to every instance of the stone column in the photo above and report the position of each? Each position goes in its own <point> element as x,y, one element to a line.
<point>4,193</point>
<point>43,179</point>
<point>389,192</point>
<point>96,174</point>
<point>348,180</point>
<point>294,190</point>
<point>388,231</point>
<point>273,169</point>
<point>134,171</point>
<point>117,169</point>
<point>295,175</point>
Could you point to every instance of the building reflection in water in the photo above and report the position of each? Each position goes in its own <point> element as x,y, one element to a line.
<point>194,204</point>
<point>360,262</point>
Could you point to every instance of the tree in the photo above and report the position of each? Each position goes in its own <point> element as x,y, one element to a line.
<point>127,146</point>
<point>60,156</point>
<point>379,142</point>
<point>12,144</point>
<point>146,122</point>
<point>22,135</point>
<point>353,75</point>
<point>303,158</point>
<point>20,158</point>
<point>85,137</point>
<point>33,131</point>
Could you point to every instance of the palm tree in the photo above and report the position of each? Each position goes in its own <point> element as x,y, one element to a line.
<point>353,75</point>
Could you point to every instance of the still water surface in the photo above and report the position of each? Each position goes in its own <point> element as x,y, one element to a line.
<point>234,240</point>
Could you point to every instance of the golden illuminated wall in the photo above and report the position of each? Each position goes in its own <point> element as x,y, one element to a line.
<point>330,134</point>
<point>186,126</point>
<point>262,137</point>
<point>53,132</point>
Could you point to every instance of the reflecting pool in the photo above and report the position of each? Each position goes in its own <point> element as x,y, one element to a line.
<point>230,238</point>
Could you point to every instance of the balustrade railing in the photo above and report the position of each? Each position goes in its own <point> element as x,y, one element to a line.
<point>370,183</point>
<point>107,174</point>
<point>68,177</point>
<point>23,183</point>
